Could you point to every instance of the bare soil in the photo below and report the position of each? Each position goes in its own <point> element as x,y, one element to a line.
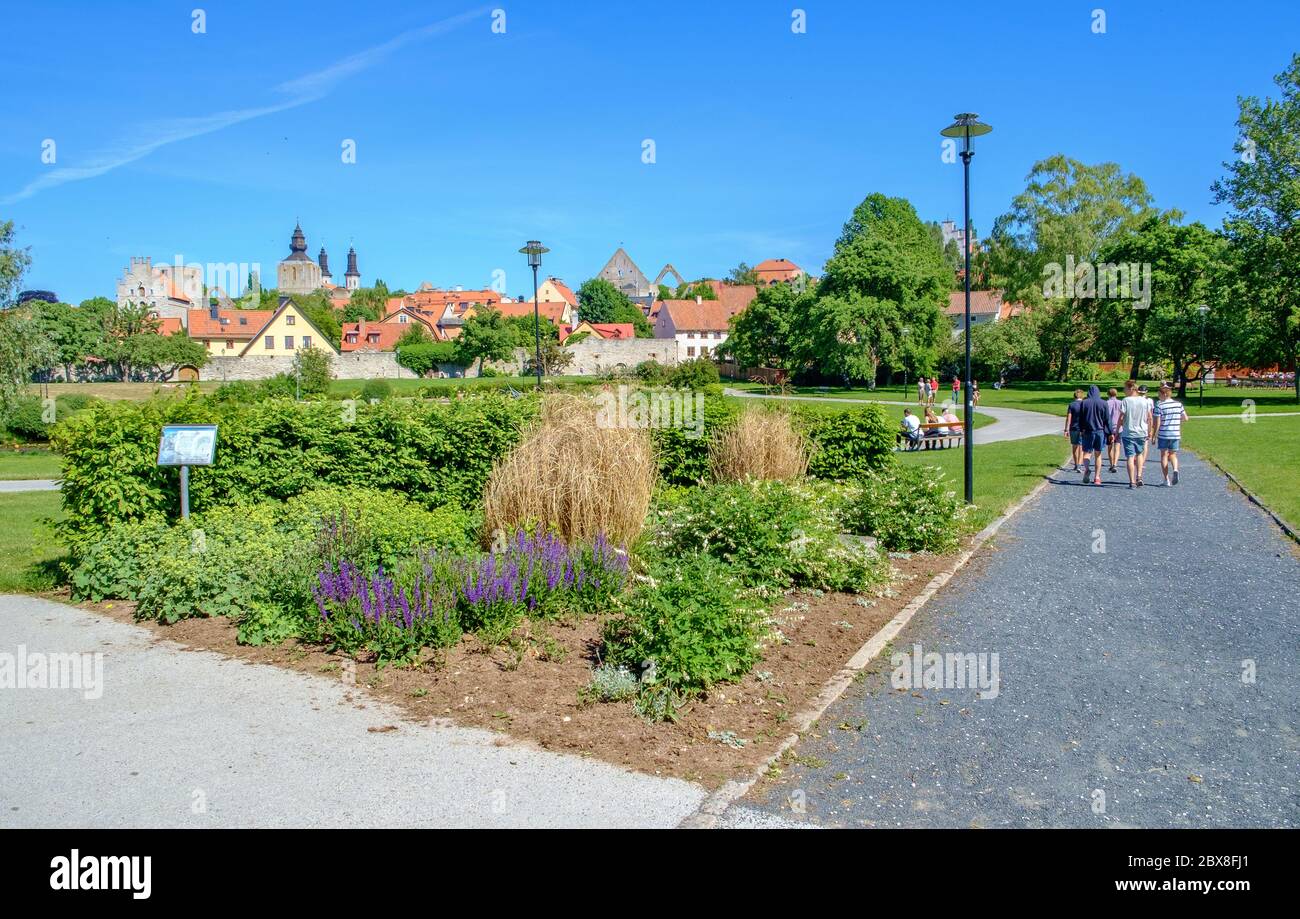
<point>530,690</point>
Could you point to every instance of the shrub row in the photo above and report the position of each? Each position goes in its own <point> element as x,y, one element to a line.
<point>435,453</point>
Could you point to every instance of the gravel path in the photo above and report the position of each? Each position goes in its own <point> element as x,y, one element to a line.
<point>1009,423</point>
<point>191,739</point>
<point>1120,699</point>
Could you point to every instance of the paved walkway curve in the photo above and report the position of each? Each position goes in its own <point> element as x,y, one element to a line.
<point>259,745</point>
<point>1009,423</point>
<point>20,485</point>
<point>1120,677</point>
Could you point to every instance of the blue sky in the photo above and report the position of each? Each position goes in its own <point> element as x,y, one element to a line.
<point>468,142</point>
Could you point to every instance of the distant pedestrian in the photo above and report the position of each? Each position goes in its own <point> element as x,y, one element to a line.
<point>1134,424</point>
<point>1170,432</point>
<point>934,389</point>
<point>1072,427</point>
<point>975,391</point>
<point>956,390</point>
<point>1155,423</point>
<point>1112,435</point>
<point>922,391</point>
<point>1094,419</point>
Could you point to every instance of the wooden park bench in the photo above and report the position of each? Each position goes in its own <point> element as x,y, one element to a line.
<point>936,442</point>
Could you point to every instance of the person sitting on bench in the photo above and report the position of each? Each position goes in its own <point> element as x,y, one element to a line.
<point>911,428</point>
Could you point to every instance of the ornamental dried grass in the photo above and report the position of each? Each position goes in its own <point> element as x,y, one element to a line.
<point>763,444</point>
<point>573,476</point>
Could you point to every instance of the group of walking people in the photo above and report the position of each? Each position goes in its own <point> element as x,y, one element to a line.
<point>1100,428</point>
<point>927,391</point>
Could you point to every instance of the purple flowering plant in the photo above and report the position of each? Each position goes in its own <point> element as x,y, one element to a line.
<point>427,601</point>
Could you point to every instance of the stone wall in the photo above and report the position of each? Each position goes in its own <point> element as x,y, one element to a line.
<point>595,355</point>
<point>357,365</point>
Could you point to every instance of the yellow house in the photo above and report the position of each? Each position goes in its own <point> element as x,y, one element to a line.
<point>286,332</point>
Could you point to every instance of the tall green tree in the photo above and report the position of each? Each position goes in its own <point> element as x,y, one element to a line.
<point>13,264</point>
<point>1068,211</point>
<point>743,274</point>
<point>1189,267</point>
<point>886,274</point>
<point>762,334</point>
<point>601,301</point>
<point>485,336</point>
<point>24,349</point>
<point>1262,187</point>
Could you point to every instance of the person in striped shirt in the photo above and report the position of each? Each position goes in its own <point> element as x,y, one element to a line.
<point>1169,431</point>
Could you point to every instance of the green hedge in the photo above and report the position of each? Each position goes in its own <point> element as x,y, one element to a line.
<point>436,453</point>
<point>850,443</point>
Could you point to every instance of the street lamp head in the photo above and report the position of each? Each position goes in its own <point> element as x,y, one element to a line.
<point>534,249</point>
<point>1202,309</point>
<point>966,125</point>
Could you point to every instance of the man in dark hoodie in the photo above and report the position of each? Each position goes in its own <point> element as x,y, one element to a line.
<point>1094,422</point>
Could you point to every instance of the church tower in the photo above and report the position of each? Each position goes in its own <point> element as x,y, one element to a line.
<point>352,277</point>
<point>324,261</point>
<point>298,274</point>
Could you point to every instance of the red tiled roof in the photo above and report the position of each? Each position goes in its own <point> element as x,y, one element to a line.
<point>551,311</point>
<point>170,325</point>
<point>699,316</point>
<point>238,323</point>
<point>736,296</point>
<point>776,265</point>
<point>565,291</point>
<point>435,300</point>
<point>614,329</point>
<point>982,302</point>
<point>377,336</point>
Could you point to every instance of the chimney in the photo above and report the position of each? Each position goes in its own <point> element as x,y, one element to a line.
<point>361,328</point>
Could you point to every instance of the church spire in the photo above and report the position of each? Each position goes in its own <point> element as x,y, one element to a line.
<point>324,261</point>
<point>352,277</point>
<point>297,242</point>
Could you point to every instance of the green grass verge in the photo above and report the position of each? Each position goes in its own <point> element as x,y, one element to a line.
<point>28,548</point>
<point>1054,398</point>
<point>1004,471</point>
<point>1263,456</point>
<point>29,464</point>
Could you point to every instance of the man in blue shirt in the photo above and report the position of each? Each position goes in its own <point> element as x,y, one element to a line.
<point>1094,422</point>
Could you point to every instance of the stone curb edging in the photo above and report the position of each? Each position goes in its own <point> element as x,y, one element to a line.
<point>710,811</point>
<point>1254,499</point>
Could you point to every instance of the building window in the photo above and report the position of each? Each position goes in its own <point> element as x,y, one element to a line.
<point>207,343</point>
<point>306,341</point>
<point>243,320</point>
<point>288,342</point>
<point>230,344</point>
<point>270,343</point>
<point>290,318</point>
<point>690,352</point>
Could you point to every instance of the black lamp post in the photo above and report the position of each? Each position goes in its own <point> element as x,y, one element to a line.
<point>966,126</point>
<point>1202,309</point>
<point>534,249</point>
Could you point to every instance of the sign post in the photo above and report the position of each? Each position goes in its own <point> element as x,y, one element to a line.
<point>187,445</point>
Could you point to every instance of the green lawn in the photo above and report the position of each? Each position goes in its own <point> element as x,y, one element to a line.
<point>27,544</point>
<point>1054,398</point>
<point>1264,456</point>
<point>29,464</point>
<point>1004,471</point>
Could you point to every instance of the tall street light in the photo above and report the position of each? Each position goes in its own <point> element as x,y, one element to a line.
<point>967,125</point>
<point>1202,309</point>
<point>534,249</point>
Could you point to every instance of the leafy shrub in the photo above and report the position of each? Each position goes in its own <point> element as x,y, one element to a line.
<point>112,566</point>
<point>909,509</point>
<point>433,452</point>
<point>376,391</point>
<point>610,683</point>
<point>694,374</point>
<point>312,371</point>
<point>683,452</point>
<point>775,535</point>
<point>849,443</point>
<point>652,372</point>
<point>688,630</point>
<point>27,422</point>
<point>237,391</point>
<point>763,444</point>
<point>574,474</point>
